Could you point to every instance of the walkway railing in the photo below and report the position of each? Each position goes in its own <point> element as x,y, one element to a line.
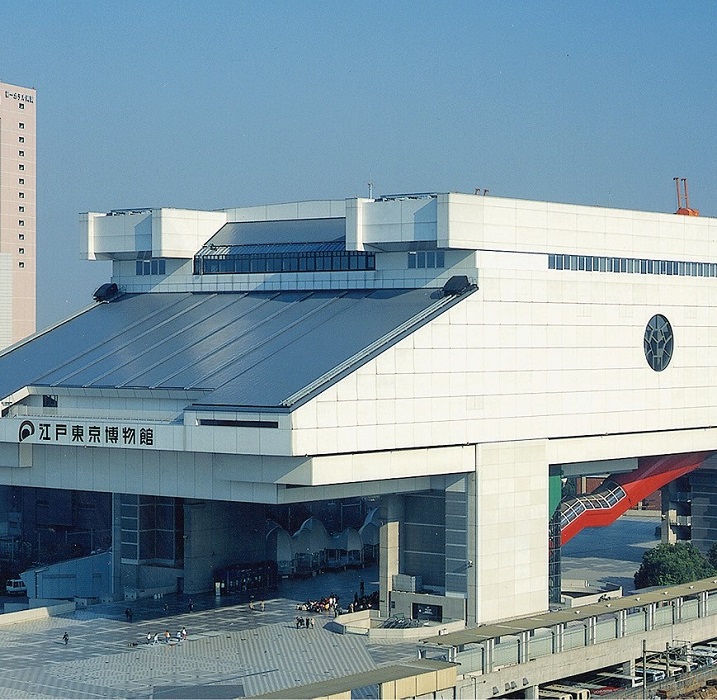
<point>488,648</point>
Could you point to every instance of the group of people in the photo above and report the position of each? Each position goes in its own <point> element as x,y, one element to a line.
<point>330,604</point>
<point>304,622</point>
<point>364,602</point>
<point>324,605</point>
<point>180,636</point>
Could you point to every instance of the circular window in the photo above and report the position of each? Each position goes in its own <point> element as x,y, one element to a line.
<point>659,342</point>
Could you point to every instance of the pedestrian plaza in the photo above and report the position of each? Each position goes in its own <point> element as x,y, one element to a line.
<point>231,650</point>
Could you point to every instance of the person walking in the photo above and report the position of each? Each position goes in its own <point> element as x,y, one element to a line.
<point>167,636</point>
<point>149,637</point>
<point>184,634</point>
<point>65,638</point>
<point>155,639</point>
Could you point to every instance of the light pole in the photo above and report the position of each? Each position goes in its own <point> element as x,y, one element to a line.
<point>665,654</point>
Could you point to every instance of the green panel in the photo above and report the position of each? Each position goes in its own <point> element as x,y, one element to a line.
<point>555,486</point>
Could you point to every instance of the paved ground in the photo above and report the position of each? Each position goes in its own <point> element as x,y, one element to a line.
<point>233,651</point>
<point>611,554</point>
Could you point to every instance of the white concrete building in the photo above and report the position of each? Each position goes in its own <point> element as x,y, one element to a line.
<point>17,212</point>
<point>448,355</point>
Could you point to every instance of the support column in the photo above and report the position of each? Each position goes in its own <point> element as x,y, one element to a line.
<point>508,532</point>
<point>455,537</point>
<point>650,617</point>
<point>389,552</point>
<point>590,631</point>
<point>677,610</point>
<point>558,638</point>
<point>523,647</point>
<point>488,658</point>
<point>702,604</point>
<point>116,591</point>
<point>471,551</point>
<point>621,623</point>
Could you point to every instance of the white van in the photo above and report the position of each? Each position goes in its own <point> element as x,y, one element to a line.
<point>15,585</point>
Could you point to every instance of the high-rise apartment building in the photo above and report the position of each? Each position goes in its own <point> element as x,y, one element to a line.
<point>17,212</point>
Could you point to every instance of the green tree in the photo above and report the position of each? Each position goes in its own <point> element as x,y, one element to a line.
<point>671,564</point>
<point>712,555</point>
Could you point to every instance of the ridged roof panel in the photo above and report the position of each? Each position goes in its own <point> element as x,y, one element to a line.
<point>251,349</point>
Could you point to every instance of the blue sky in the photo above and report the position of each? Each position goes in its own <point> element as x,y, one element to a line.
<point>212,104</point>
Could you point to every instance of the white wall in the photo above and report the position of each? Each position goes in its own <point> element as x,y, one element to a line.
<point>496,223</point>
<point>530,355</point>
<point>394,221</point>
<point>180,233</point>
<point>102,237</point>
<point>166,233</point>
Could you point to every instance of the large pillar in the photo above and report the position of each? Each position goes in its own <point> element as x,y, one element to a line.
<point>389,553</point>
<point>508,532</point>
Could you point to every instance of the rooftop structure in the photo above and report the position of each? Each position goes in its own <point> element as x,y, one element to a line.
<point>446,358</point>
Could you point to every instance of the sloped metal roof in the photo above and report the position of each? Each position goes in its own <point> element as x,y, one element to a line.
<point>244,349</point>
<point>289,231</point>
<point>216,251</point>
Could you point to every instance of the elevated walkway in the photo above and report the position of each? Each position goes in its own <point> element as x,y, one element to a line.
<point>620,492</point>
<point>522,653</point>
